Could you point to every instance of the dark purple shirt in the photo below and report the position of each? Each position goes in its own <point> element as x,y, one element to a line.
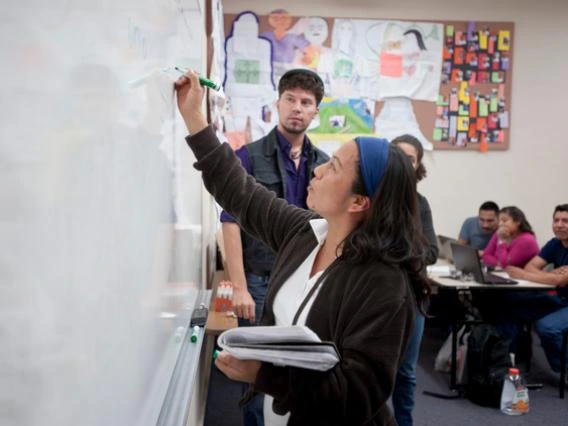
<point>296,180</point>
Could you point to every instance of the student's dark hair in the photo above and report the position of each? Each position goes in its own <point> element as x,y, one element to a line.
<point>415,143</point>
<point>560,208</point>
<point>392,232</point>
<point>300,78</point>
<point>490,205</point>
<point>419,38</point>
<point>518,216</point>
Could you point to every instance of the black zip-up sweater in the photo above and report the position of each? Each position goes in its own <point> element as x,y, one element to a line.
<point>367,310</point>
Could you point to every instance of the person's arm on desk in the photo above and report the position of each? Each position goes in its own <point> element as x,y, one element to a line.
<point>534,272</point>
<point>243,303</point>
<point>563,270</point>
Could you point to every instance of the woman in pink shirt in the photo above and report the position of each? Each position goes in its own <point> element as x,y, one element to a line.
<point>514,242</point>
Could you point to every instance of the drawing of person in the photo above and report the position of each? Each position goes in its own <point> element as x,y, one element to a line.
<point>345,72</point>
<point>316,33</point>
<point>285,43</point>
<point>405,73</point>
<point>343,36</point>
<point>248,75</point>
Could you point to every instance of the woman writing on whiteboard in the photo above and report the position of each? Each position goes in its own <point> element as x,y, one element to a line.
<point>350,270</point>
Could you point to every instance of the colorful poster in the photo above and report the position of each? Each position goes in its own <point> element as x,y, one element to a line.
<point>475,79</point>
<point>346,118</point>
<point>398,58</point>
<point>387,65</point>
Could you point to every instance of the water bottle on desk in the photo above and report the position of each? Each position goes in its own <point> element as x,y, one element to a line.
<point>224,297</point>
<point>515,395</point>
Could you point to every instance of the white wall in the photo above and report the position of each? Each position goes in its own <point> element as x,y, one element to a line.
<point>532,174</point>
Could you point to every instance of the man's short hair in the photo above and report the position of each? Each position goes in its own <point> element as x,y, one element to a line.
<point>490,205</point>
<point>560,208</point>
<point>304,79</point>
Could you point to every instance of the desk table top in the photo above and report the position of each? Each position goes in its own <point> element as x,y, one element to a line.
<point>217,322</point>
<point>457,284</point>
<point>443,280</point>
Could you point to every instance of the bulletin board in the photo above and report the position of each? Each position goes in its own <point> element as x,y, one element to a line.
<point>449,83</point>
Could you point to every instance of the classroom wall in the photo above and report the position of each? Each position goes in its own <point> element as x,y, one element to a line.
<point>532,173</point>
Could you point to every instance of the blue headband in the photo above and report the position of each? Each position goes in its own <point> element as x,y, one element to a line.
<point>373,157</point>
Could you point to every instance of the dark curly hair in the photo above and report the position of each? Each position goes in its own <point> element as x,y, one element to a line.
<point>415,143</point>
<point>302,79</point>
<point>392,233</point>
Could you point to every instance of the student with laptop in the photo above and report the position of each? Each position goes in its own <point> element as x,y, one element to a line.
<point>476,231</point>
<point>467,261</point>
<point>514,242</point>
<point>555,252</point>
<point>550,311</point>
<point>445,247</point>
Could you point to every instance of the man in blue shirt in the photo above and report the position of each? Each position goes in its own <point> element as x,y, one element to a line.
<point>555,253</point>
<point>477,231</point>
<point>283,161</point>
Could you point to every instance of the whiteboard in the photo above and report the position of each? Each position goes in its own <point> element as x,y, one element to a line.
<point>96,179</point>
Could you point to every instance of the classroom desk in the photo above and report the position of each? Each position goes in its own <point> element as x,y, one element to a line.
<point>459,285</point>
<point>217,322</point>
<point>439,279</point>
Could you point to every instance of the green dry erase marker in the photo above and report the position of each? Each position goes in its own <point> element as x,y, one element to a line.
<point>203,81</point>
<point>194,334</point>
<point>215,354</point>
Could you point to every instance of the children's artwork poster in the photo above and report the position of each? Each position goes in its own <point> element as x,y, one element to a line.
<point>344,116</point>
<point>473,107</point>
<point>448,84</point>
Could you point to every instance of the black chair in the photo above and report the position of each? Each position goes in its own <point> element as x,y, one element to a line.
<point>563,363</point>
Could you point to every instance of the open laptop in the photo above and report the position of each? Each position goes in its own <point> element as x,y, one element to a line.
<point>467,260</point>
<point>445,248</point>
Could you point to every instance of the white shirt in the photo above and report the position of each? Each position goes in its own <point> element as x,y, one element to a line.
<point>288,300</point>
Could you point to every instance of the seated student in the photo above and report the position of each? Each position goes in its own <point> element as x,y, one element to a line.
<point>514,242</point>
<point>477,231</point>
<point>350,270</point>
<point>549,327</point>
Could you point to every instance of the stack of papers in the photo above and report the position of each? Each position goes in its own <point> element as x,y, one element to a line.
<point>440,269</point>
<point>294,346</point>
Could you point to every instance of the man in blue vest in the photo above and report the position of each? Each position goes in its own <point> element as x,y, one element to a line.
<point>282,161</point>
